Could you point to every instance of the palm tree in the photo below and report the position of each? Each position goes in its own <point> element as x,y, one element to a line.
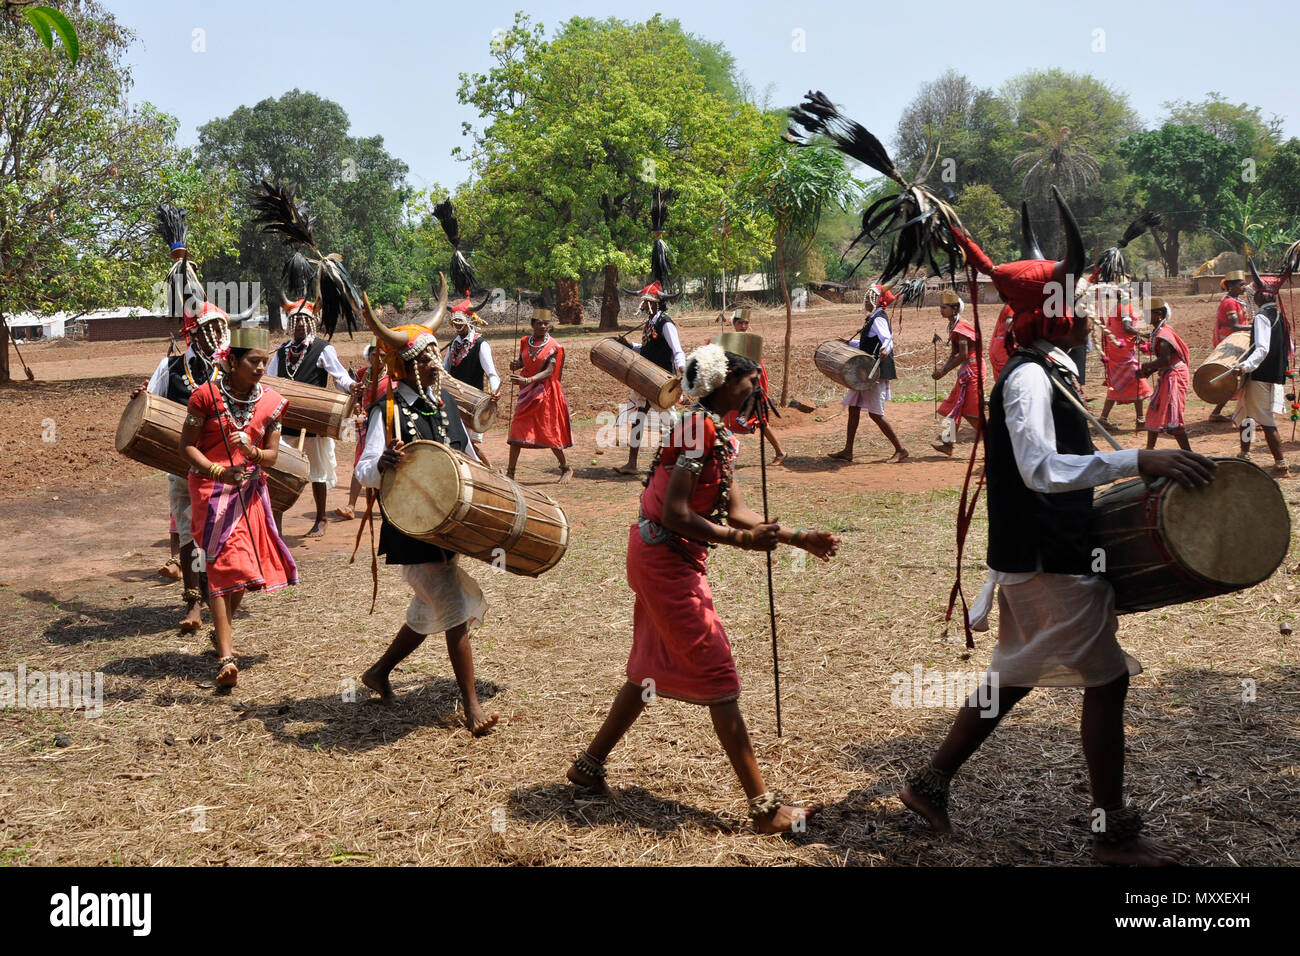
<point>1055,159</point>
<point>792,186</point>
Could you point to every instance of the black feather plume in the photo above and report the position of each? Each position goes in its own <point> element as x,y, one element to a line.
<point>817,114</point>
<point>912,292</point>
<point>171,224</point>
<point>463,278</point>
<point>914,223</point>
<point>276,212</point>
<point>339,298</point>
<point>659,200</point>
<point>298,278</point>
<point>1112,267</point>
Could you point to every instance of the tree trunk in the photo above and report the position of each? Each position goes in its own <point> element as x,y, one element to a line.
<point>4,352</point>
<point>568,302</point>
<point>789,324</point>
<point>609,306</point>
<point>1171,254</point>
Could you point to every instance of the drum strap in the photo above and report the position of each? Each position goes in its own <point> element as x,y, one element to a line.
<point>521,518</point>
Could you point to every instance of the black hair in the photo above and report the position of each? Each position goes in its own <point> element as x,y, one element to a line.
<point>237,355</point>
<point>736,365</point>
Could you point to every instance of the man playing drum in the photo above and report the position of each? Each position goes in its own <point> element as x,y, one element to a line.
<point>1057,621</point>
<point>312,361</point>
<point>469,360</point>
<point>1231,317</point>
<point>876,338</point>
<point>661,344</point>
<point>446,598</point>
<point>1264,369</point>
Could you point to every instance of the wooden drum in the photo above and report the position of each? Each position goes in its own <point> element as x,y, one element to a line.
<point>1225,355</point>
<point>849,366</point>
<point>150,433</point>
<point>1165,544</point>
<point>475,407</point>
<point>315,410</point>
<point>438,495</point>
<point>658,386</point>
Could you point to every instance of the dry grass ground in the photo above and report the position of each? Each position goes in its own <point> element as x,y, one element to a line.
<point>289,770</point>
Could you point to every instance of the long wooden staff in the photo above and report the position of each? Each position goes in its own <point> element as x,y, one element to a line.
<point>771,597</point>
<point>514,389</point>
<point>935,344</point>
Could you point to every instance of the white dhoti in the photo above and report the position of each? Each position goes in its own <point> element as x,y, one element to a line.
<point>178,502</point>
<point>445,596</point>
<point>320,460</point>
<point>644,423</point>
<point>1054,630</point>
<point>872,399</point>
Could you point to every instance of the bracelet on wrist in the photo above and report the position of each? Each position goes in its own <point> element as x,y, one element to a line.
<point>215,471</point>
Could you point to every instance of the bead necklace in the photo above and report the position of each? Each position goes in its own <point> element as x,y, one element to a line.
<point>722,452</point>
<point>534,350</point>
<point>240,410</point>
<point>189,379</point>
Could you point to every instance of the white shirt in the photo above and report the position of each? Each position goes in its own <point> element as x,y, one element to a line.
<point>485,360</point>
<point>1027,401</point>
<point>1263,339</point>
<point>367,470</point>
<point>329,361</point>
<point>880,329</point>
<point>670,336</point>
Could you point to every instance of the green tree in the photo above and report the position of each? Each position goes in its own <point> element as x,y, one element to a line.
<point>1281,178</point>
<point>1182,172</point>
<point>355,189</point>
<point>793,186</point>
<point>1238,124</point>
<point>962,122</point>
<point>81,174</point>
<point>985,215</point>
<point>575,133</point>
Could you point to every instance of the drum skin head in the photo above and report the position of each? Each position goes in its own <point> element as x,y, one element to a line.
<point>422,492</point>
<point>130,423</point>
<point>1236,530</point>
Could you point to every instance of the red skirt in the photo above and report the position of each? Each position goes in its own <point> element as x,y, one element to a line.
<point>242,550</point>
<point>541,417</point>
<point>678,641</point>
<point>1169,402</point>
<point>964,399</point>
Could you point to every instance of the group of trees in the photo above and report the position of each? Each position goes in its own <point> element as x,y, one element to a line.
<point>1218,172</point>
<point>572,133</point>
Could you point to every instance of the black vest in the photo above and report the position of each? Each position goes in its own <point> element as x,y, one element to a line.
<point>307,372</point>
<point>411,425</point>
<point>178,387</point>
<point>470,369</point>
<point>1029,530</point>
<point>655,347</point>
<point>1273,368</point>
<point>872,346</point>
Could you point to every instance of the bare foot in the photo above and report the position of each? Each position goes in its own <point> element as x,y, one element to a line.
<point>345,513</point>
<point>626,470</point>
<point>897,457</point>
<point>785,819</point>
<point>228,676</point>
<point>844,455</point>
<point>566,476</point>
<point>942,448</point>
<point>193,619</point>
<point>1139,851</point>
<point>1220,418</point>
<point>478,724</point>
<point>317,530</point>
<point>511,474</point>
<point>778,459</point>
<point>378,682</point>
<point>171,570</point>
<point>585,782</point>
<point>936,816</point>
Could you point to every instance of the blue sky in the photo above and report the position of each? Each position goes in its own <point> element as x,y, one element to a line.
<point>393,65</point>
